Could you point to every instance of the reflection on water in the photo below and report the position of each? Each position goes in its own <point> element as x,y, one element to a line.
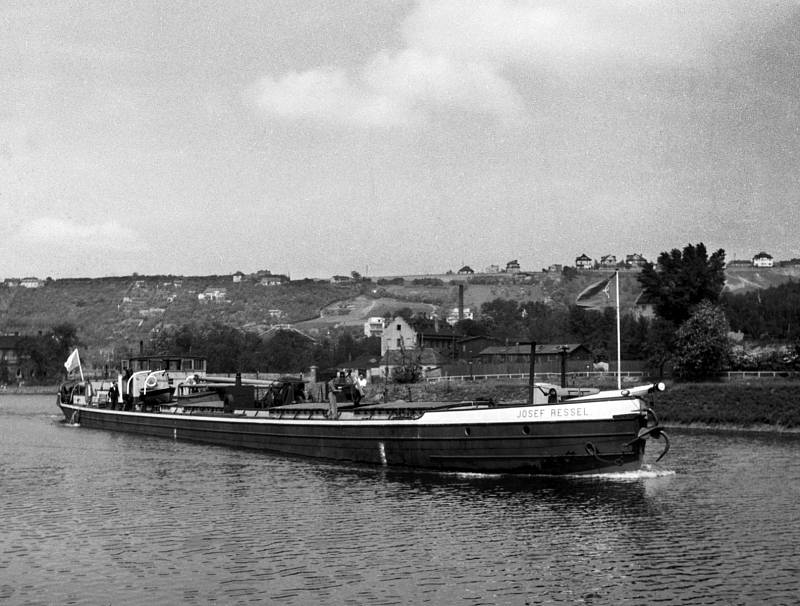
<point>96,517</point>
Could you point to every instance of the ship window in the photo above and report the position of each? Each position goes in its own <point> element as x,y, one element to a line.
<point>526,430</point>
<point>467,431</point>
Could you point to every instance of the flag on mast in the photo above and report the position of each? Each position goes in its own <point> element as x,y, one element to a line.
<point>73,362</point>
<point>599,296</point>
<point>596,295</point>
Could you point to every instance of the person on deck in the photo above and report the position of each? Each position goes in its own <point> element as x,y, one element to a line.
<point>360,388</point>
<point>333,409</point>
<point>113,396</point>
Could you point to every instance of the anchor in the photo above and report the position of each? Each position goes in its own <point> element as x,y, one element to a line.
<point>656,432</point>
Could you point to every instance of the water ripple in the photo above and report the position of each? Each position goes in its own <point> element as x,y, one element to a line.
<point>92,518</point>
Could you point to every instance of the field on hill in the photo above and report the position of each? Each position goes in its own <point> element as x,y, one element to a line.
<point>112,314</point>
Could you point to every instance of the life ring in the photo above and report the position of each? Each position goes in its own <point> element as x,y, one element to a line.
<point>151,381</point>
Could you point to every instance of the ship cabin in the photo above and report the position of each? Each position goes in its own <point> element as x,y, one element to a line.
<point>177,366</point>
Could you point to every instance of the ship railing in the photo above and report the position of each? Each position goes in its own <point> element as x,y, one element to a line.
<point>553,377</point>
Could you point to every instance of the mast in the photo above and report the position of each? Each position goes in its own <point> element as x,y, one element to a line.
<point>619,340</point>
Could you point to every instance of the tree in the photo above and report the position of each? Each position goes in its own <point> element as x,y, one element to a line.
<point>503,318</point>
<point>702,347</point>
<point>659,345</point>
<point>681,280</point>
<point>289,351</point>
<point>44,354</point>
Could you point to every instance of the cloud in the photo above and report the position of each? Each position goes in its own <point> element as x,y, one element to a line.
<point>391,90</point>
<point>476,56</point>
<point>397,88</point>
<point>422,80</point>
<point>576,33</point>
<point>77,235</point>
<point>328,95</point>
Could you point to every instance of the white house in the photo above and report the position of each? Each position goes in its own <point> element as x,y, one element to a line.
<point>374,327</point>
<point>608,261</point>
<point>762,259</point>
<point>452,317</point>
<point>584,262</point>
<point>398,335</point>
<point>513,267</point>
<point>213,293</point>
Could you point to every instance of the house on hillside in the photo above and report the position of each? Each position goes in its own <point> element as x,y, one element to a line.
<point>739,263</point>
<point>274,280</point>
<point>216,294</point>
<point>762,259</point>
<point>454,315</point>
<point>466,270</point>
<point>608,261</point>
<point>30,282</point>
<point>635,260</point>
<point>584,262</point>
<point>152,312</point>
<point>11,282</point>
<point>238,277</point>
<point>512,267</point>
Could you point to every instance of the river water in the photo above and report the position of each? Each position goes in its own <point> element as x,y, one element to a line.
<point>93,517</point>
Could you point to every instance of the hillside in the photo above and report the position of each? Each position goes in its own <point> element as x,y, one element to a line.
<point>117,312</point>
<point>742,280</point>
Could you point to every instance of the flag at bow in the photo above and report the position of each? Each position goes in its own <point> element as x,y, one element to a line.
<point>73,362</point>
<point>596,295</point>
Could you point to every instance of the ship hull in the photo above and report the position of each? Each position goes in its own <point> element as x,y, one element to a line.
<point>467,443</point>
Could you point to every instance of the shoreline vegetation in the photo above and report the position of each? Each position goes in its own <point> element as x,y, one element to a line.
<point>763,405</point>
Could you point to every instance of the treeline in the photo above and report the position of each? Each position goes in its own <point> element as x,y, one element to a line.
<point>42,356</point>
<point>769,314</point>
<point>229,350</point>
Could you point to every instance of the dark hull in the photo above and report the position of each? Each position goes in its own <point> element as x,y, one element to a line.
<point>558,447</point>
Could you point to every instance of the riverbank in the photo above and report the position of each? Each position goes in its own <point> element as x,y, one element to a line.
<point>33,390</point>
<point>759,405</point>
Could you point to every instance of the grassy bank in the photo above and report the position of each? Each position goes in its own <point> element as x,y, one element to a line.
<point>772,403</point>
<point>757,404</point>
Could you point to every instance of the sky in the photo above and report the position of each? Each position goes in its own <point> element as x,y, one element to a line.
<point>392,137</point>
